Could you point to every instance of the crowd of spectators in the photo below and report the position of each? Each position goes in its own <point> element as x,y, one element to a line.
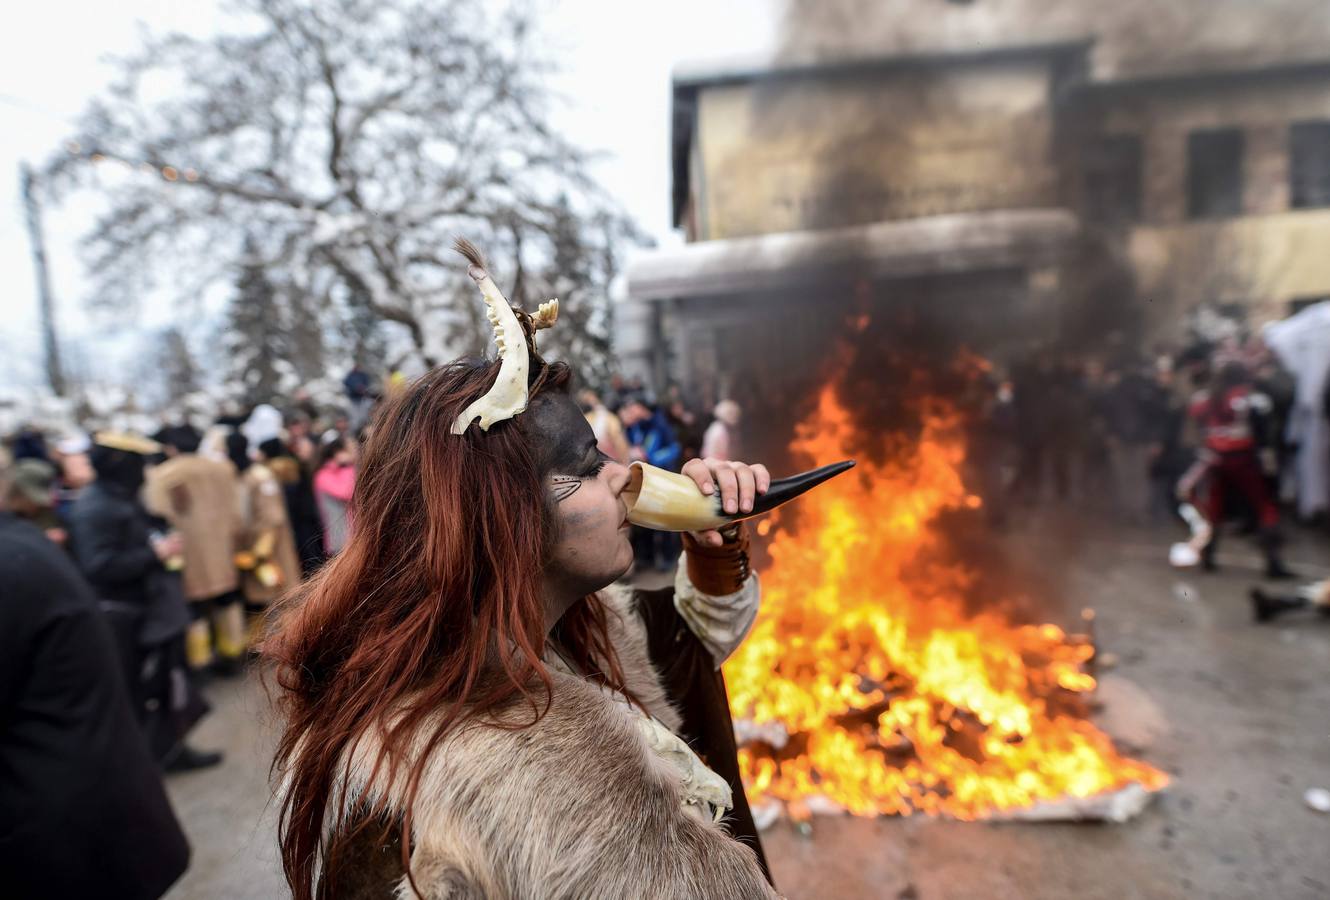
<point>1222,435</point>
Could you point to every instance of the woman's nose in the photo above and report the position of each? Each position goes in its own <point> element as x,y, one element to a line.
<point>619,476</point>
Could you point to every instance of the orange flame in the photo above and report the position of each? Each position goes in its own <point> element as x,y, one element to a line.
<point>908,702</point>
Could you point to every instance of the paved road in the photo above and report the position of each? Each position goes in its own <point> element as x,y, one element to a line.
<point>1248,715</point>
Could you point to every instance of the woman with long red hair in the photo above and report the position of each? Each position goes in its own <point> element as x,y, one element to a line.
<point>471,708</point>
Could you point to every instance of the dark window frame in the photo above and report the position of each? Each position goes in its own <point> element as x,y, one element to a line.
<point>1216,176</point>
<point>1113,179</point>
<point>1309,164</point>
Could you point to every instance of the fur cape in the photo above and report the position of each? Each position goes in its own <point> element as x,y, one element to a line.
<point>575,806</point>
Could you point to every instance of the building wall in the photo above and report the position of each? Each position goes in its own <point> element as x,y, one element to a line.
<point>1263,107</point>
<point>821,151</point>
<point>1260,262</point>
<point>1264,259</point>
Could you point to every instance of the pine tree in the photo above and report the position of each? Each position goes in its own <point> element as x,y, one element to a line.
<point>304,332</point>
<point>255,336</point>
<point>179,373</point>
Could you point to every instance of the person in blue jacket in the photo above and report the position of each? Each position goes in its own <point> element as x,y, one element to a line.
<point>651,440</point>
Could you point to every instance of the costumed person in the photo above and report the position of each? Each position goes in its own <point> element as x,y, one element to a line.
<point>1226,413</point>
<point>197,495</point>
<point>82,809</point>
<point>114,544</point>
<point>267,556</point>
<point>472,708</point>
<point>334,483</point>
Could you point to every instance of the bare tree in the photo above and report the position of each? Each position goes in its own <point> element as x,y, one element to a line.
<point>353,139</point>
<point>581,267</point>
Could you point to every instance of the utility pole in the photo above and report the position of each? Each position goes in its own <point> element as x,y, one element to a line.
<point>45,301</point>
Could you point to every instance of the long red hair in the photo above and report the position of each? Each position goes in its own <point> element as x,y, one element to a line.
<point>432,612</point>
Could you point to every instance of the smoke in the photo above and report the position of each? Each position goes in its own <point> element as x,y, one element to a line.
<point>907,111</point>
<point>1132,38</point>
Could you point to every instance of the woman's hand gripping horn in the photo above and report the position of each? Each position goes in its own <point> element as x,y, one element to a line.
<point>739,484</point>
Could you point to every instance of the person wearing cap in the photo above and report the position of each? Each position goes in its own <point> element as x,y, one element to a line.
<point>82,809</point>
<point>32,497</point>
<point>198,496</point>
<point>112,537</point>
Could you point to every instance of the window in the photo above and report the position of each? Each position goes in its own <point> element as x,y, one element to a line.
<point>1113,179</point>
<point>1214,173</point>
<point>1309,164</point>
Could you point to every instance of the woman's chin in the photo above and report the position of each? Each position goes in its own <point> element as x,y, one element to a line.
<point>626,567</point>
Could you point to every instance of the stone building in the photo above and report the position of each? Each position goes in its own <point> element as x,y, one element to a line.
<point>1012,170</point>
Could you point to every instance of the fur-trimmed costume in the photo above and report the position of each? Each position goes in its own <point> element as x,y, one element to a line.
<point>577,805</point>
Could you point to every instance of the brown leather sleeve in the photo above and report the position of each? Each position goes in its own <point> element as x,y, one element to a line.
<point>722,570</point>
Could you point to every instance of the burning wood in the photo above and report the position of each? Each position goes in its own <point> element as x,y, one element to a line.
<point>867,684</point>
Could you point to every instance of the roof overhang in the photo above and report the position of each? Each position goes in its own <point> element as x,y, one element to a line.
<point>936,245</point>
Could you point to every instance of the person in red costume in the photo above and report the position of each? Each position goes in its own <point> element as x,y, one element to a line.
<point>1228,415</point>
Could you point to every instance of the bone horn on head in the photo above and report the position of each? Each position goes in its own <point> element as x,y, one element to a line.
<point>671,501</point>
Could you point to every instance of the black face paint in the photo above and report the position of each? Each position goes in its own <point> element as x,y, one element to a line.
<point>563,440</point>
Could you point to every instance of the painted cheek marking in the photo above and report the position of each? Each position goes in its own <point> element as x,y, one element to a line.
<point>565,486</point>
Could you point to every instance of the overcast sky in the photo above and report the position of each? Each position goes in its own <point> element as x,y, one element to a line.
<point>616,58</point>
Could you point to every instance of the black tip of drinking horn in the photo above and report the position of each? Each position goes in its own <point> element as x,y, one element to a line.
<point>784,490</point>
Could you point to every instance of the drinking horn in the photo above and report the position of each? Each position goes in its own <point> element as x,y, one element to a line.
<point>670,501</point>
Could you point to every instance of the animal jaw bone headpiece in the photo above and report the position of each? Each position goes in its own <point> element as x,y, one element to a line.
<point>515,334</point>
<point>665,501</point>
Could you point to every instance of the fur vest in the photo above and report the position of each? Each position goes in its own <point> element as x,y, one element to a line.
<point>576,806</point>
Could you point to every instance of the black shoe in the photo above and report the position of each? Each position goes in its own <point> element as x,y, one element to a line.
<point>1260,605</point>
<point>186,759</point>
<point>1270,543</point>
<point>1208,563</point>
<point>1276,570</point>
<point>1265,607</point>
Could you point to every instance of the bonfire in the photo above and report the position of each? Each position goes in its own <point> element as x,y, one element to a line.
<point>869,684</point>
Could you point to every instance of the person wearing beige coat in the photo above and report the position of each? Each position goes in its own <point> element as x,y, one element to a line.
<point>268,550</point>
<point>197,496</point>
